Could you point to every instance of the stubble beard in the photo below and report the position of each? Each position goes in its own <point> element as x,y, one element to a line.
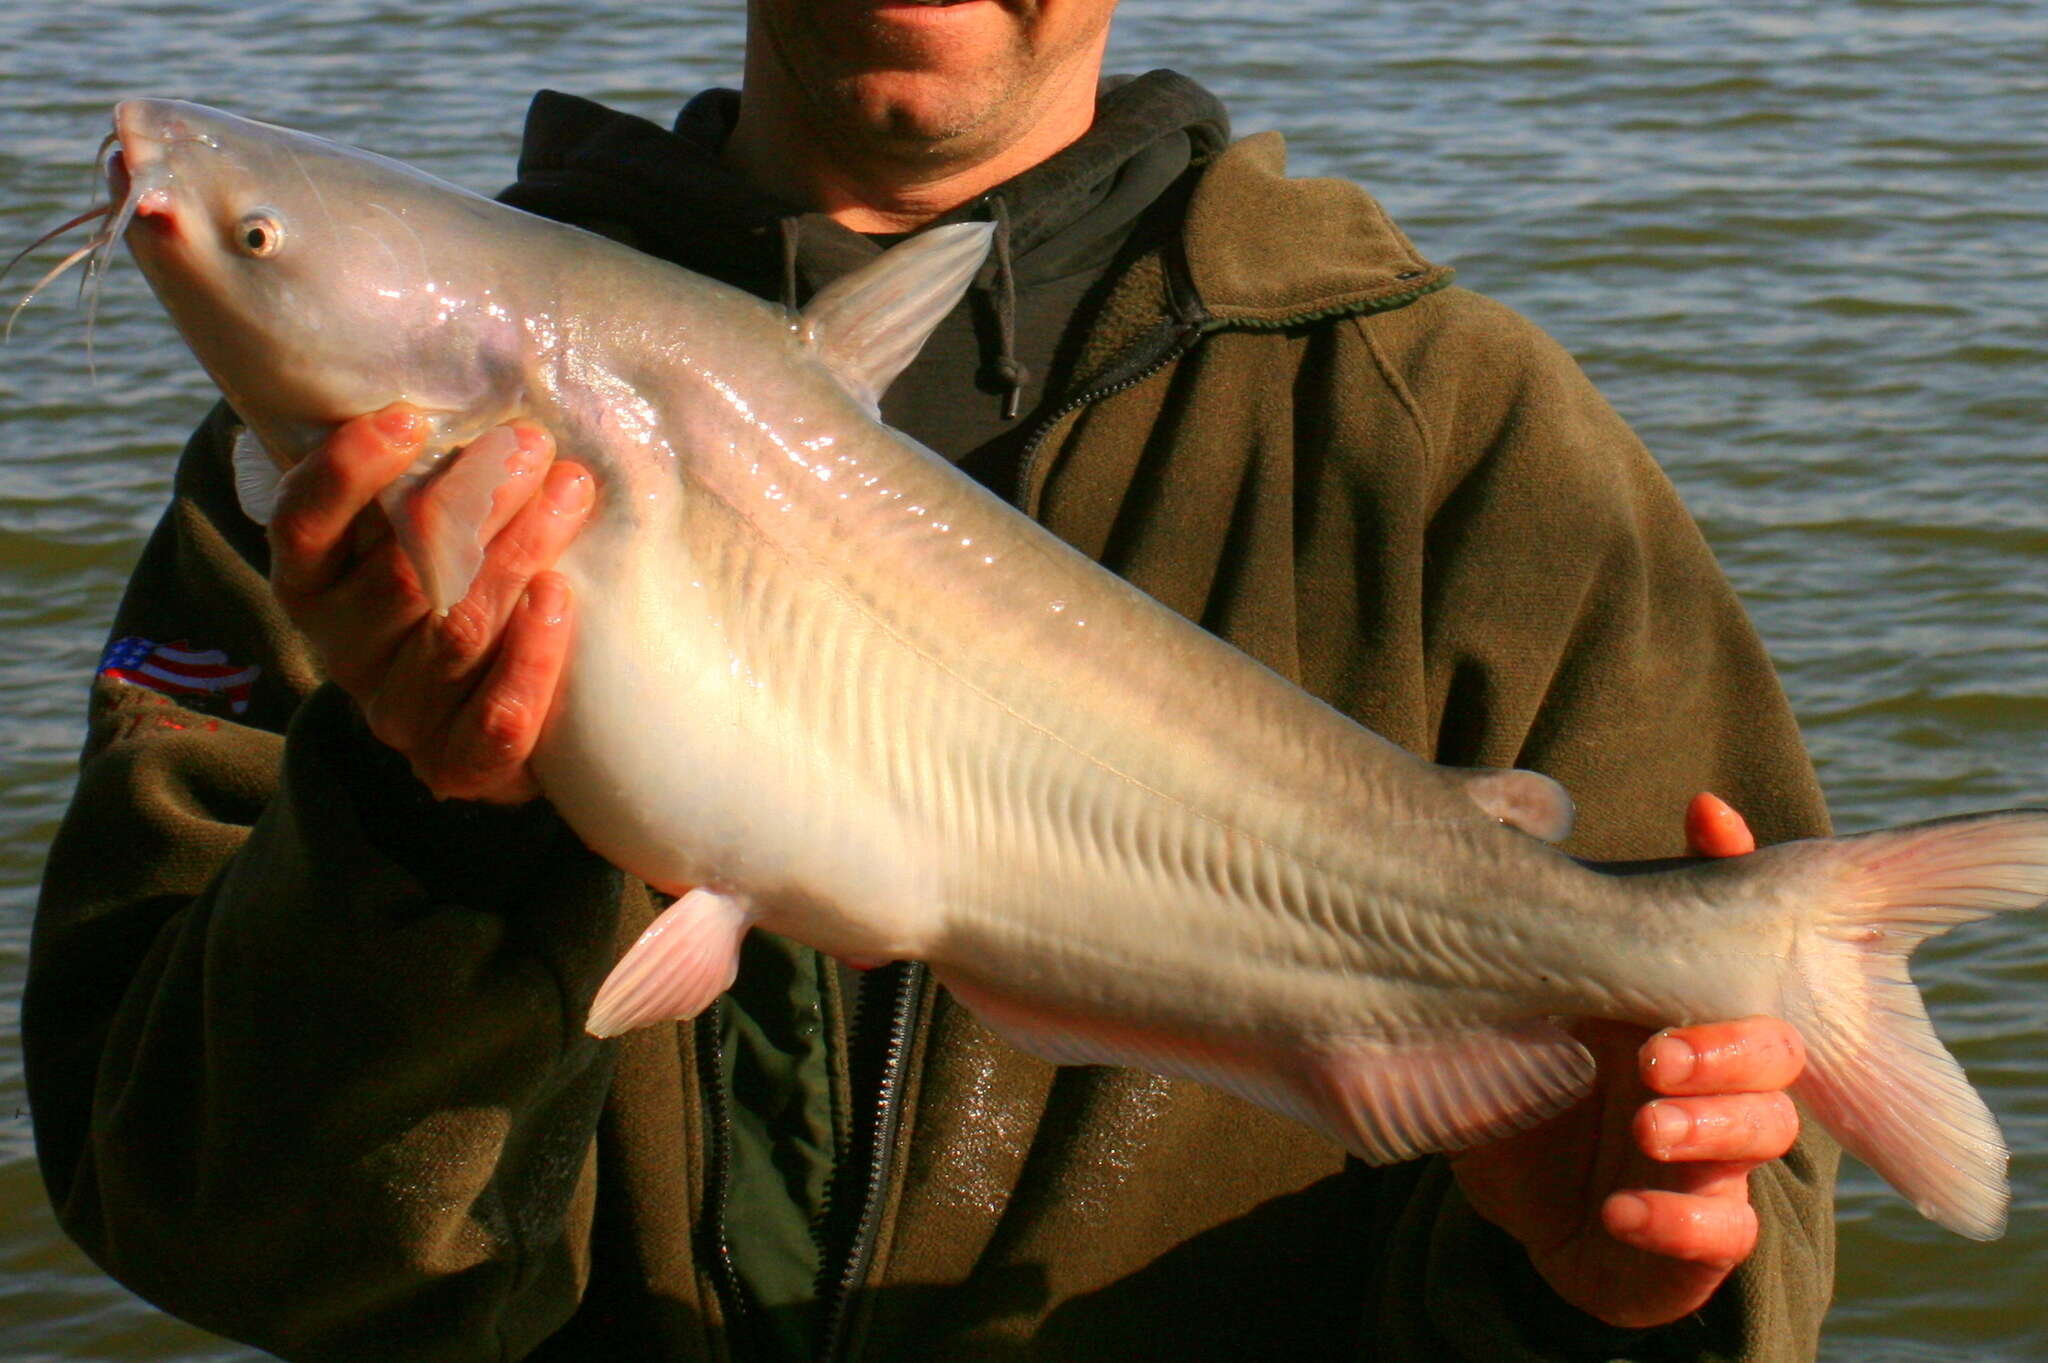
<point>887,108</point>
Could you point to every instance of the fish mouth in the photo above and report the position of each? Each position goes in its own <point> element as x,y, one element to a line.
<point>118,179</point>
<point>138,177</point>
<point>135,190</point>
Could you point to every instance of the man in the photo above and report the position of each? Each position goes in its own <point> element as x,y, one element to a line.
<point>306,1056</point>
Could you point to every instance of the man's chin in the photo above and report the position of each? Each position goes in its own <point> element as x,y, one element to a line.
<point>906,113</point>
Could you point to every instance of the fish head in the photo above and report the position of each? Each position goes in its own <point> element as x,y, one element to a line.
<point>314,281</point>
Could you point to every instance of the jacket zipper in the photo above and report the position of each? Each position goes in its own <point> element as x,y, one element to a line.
<point>907,1002</point>
<point>713,1248</point>
<point>1146,356</point>
<point>1166,343</point>
<point>1144,359</point>
<point>1170,340</point>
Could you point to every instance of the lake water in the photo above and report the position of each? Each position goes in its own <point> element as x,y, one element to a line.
<point>1803,248</point>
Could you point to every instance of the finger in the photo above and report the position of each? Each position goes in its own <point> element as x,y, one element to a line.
<point>534,538</point>
<point>1714,829</point>
<point>1713,1232</point>
<point>530,544</point>
<point>359,622</point>
<point>440,663</point>
<point>1747,1127</point>
<point>534,456</point>
<point>1753,1055</point>
<point>1703,1179</point>
<point>495,732</point>
<point>319,499</point>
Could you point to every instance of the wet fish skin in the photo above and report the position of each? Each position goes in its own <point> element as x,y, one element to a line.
<point>825,684</point>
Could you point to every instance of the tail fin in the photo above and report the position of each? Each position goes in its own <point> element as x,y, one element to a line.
<point>1876,1075</point>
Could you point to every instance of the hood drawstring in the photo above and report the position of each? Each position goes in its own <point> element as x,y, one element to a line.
<point>790,226</point>
<point>1009,370</point>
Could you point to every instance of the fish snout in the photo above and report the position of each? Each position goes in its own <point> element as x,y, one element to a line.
<point>138,171</point>
<point>158,123</point>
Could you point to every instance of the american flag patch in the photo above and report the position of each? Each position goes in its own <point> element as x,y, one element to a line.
<point>178,669</point>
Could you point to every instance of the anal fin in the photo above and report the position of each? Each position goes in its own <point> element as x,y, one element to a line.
<point>1384,1101</point>
<point>686,958</point>
<point>1450,1091</point>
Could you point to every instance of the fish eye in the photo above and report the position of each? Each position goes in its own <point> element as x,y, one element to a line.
<point>259,234</point>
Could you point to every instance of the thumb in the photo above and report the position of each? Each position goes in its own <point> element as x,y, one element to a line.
<point>1714,829</point>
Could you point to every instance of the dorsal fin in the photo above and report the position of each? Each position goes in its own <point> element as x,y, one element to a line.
<point>869,324</point>
<point>256,476</point>
<point>1528,800</point>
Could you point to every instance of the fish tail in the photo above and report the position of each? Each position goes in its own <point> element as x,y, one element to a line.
<point>1877,1077</point>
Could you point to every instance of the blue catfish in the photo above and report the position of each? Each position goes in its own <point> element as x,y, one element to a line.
<point>823,683</point>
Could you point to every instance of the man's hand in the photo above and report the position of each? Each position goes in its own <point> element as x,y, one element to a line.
<point>1634,1205</point>
<point>461,696</point>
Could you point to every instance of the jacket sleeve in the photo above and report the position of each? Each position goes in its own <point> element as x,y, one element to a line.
<point>303,1045</point>
<point>1574,621</point>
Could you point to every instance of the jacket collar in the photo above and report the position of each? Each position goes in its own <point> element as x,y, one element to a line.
<point>1264,250</point>
<point>1240,245</point>
<point>1236,246</point>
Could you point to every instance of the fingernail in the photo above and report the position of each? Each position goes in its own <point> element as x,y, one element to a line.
<point>1668,1059</point>
<point>1670,1126</point>
<point>399,424</point>
<point>1627,1213</point>
<point>533,439</point>
<point>569,489</point>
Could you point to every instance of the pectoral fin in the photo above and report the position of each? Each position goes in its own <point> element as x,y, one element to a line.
<point>256,477</point>
<point>1384,1101</point>
<point>685,959</point>
<point>438,510</point>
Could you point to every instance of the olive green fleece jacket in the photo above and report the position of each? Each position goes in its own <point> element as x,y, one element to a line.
<point>305,1047</point>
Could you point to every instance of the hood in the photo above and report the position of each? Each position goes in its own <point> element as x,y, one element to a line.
<point>1060,225</point>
